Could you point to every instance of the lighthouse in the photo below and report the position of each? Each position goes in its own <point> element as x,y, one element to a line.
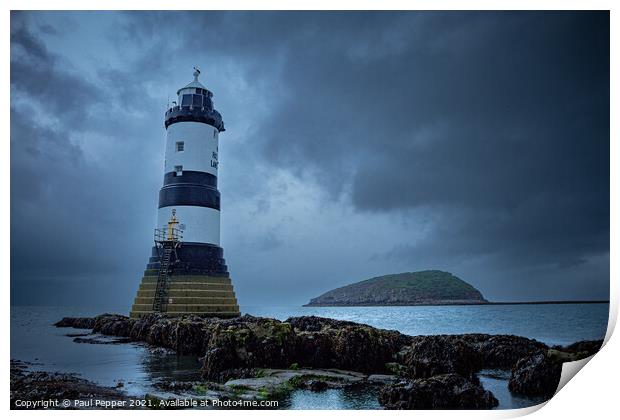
<point>186,272</point>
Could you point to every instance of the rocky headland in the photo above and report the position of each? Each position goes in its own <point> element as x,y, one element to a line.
<point>431,287</point>
<point>261,358</point>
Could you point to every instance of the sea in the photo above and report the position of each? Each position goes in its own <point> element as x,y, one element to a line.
<point>35,340</point>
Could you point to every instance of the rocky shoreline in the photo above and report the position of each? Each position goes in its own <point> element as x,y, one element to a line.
<point>254,358</point>
<point>44,390</point>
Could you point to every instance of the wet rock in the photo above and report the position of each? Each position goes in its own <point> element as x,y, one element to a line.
<point>101,340</point>
<point>382,379</point>
<point>315,385</point>
<point>45,386</point>
<point>320,379</point>
<point>448,391</point>
<point>241,373</point>
<point>502,351</point>
<point>464,354</point>
<point>396,368</point>
<point>275,383</point>
<point>229,347</point>
<point>582,349</point>
<point>248,342</point>
<point>316,323</point>
<point>68,322</point>
<point>435,355</point>
<point>175,386</point>
<point>536,375</point>
<point>141,326</point>
<point>113,324</point>
<point>500,374</point>
<point>161,351</point>
<point>326,343</point>
<point>186,335</point>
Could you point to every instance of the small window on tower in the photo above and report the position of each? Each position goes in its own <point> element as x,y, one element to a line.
<point>180,146</point>
<point>178,170</point>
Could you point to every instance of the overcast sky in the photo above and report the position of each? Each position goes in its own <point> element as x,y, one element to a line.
<point>356,145</point>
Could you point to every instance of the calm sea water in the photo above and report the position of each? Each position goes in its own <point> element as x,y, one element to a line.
<point>34,339</point>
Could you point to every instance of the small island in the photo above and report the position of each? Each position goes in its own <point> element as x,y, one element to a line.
<point>430,287</point>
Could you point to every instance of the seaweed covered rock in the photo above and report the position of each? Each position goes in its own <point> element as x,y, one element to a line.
<point>141,326</point>
<point>325,343</point>
<point>248,342</point>
<point>536,375</point>
<point>463,354</point>
<point>449,391</point>
<point>188,334</point>
<point>37,386</point>
<point>439,354</point>
<point>582,349</point>
<point>69,322</point>
<point>108,324</point>
<point>314,323</point>
<point>113,324</point>
<point>502,351</point>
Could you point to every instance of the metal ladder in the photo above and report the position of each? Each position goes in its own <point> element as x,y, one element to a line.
<point>160,302</point>
<point>167,240</point>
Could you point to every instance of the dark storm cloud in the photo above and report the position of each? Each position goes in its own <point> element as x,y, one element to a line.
<point>497,124</point>
<point>43,159</point>
<point>489,130</point>
<point>69,212</point>
<point>41,76</point>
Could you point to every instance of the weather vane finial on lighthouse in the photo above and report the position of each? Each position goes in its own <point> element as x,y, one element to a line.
<point>196,74</point>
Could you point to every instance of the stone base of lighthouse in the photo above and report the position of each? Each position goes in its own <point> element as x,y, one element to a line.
<point>200,295</point>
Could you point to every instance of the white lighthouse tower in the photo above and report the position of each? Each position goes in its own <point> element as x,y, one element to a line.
<point>187,272</point>
<point>190,168</point>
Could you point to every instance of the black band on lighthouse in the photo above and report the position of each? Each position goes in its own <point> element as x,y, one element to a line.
<point>202,115</point>
<point>195,259</point>
<point>189,195</point>
<point>190,177</point>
